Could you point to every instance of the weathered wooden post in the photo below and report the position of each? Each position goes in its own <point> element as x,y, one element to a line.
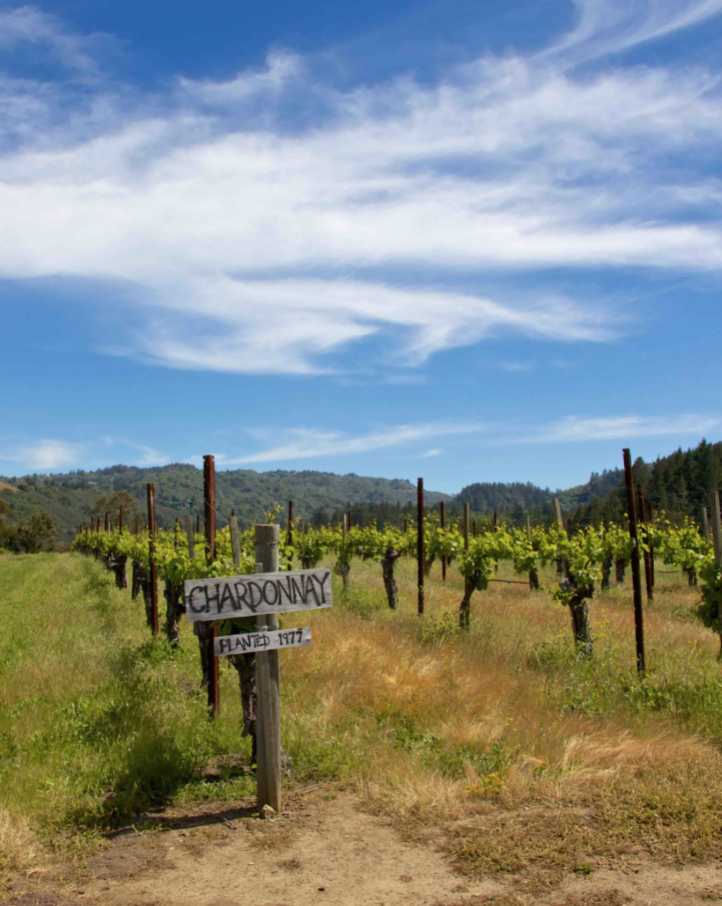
<point>420,552</point>
<point>151,557</point>
<point>188,526</point>
<point>267,684</point>
<point>442,519</point>
<point>107,522</point>
<point>289,536</point>
<point>209,498</point>
<point>636,579</point>
<point>235,539</point>
<point>716,527</point>
<point>558,512</point>
<point>705,523</point>
<point>189,537</point>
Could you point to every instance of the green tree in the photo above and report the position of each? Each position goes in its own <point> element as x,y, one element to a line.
<point>112,504</point>
<point>36,534</point>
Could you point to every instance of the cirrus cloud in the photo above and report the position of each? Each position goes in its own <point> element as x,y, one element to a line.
<point>248,240</point>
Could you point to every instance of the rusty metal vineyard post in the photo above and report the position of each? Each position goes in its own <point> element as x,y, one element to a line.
<point>650,520</point>
<point>420,552</point>
<point>636,578</point>
<point>465,609</point>
<point>717,539</point>
<point>151,557</point>
<point>442,519</point>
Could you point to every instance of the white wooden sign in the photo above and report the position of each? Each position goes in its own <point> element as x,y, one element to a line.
<point>264,593</point>
<point>251,642</point>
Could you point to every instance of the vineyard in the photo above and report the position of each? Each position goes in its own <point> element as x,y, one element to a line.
<point>584,560</point>
<point>478,686</point>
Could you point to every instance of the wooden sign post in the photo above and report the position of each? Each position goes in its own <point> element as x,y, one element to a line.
<point>209,497</point>
<point>263,596</point>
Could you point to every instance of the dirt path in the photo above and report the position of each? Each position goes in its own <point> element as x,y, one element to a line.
<point>325,851</point>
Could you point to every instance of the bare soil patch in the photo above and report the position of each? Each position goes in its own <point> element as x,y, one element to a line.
<point>325,849</point>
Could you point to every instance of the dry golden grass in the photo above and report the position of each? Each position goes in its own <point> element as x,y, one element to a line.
<point>504,725</point>
<point>20,849</point>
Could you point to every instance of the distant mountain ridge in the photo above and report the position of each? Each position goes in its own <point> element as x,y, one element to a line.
<point>678,482</point>
<point>69,497</point>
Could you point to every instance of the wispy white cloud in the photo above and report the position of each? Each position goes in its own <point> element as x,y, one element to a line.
<point>311,442</point>
<point>610,26</point>
<point>53,454</point>
<point>248,246</point>
<point>627,426</point>
<point>27,25</point>
<point>306,443</point>
<point>45,455</point>
<point>148,456</point>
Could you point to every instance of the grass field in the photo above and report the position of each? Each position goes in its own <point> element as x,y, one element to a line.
<point>566,761</point>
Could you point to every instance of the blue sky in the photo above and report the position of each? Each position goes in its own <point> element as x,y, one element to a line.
<point>465,241</point>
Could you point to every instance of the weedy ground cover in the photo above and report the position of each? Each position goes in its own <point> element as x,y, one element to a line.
<point>528,757</point>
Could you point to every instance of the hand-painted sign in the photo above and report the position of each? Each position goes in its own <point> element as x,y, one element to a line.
<point>251,642</point>
<point>244,596</point>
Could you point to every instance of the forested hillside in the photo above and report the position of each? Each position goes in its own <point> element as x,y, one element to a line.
<point>678,483</point>
<point>73,497</point>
